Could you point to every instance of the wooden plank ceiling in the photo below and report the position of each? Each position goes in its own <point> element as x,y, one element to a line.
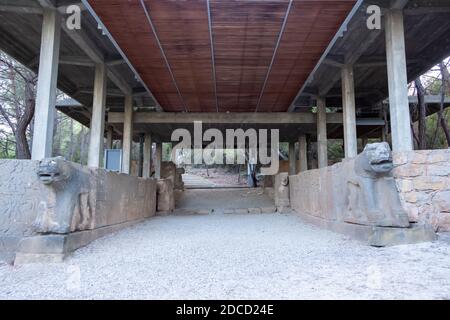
<point>169,44</point>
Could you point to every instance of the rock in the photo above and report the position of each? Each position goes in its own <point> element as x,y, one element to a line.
<point>409,170</point>
<point>441,201</point>
<point>414,197</point>
<point>419,157</point>
<point>430,183</point>
<point>444,222</point>
<point>404,185</point>
<point>400,158</point>
<point>438,156</point>
<point>438,170</point>
<point>165,195</point>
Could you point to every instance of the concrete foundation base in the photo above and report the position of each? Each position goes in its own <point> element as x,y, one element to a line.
<point>376,236</point>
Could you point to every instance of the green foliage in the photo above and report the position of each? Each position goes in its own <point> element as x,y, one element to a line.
<point>335,151</point>
<point>436,138</point>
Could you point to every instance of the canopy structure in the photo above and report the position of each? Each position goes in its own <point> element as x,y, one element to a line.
<point>318,57</point>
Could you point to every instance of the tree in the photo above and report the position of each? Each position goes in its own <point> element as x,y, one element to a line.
<point>17,102</point>
<point>422,112</point>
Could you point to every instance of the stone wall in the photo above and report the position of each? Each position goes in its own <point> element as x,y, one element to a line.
<point>423,180</point>
<point>359,197</point>
<point>20,196</point>
<point>39,212</point>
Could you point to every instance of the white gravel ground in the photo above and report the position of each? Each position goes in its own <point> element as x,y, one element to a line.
<point>234,257</point>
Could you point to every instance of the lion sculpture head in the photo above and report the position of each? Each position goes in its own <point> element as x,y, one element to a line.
<point>378,158</point>
<point>53,170</point>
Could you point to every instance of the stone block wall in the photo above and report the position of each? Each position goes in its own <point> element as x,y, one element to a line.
<point>20,196</point>
<point>423,180</point>
<point>88,201</point>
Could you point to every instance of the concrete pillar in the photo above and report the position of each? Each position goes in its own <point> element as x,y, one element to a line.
<point>322,142</point>
<point>127,141</point>
<point>398,83</point>
<point>292,159</point>
<point>46,86</point>
<point>348,106</point>
<point>141,156</point>
<point>158,160</point>
<point>97,134</point>
<point>303,153</point>
<point>147,156</point>
<point>109,138</point>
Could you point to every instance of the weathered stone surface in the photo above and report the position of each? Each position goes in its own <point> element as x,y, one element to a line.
<point>241,211</point>
<point>411,170</point>
<point>254,210</point>
<point>414,197</point>
<point>441,201</point>
<point>357,191</point>
<point>430,183</point>
<point>170,171</point>
<point>166,197</point>
<point>400,158</point>
<point>429,199</point>
<point>436,156</point>
<point>405,185</point>
<point>281,191</point>
<point>444,221</point>
<point>438,170</point>
<point>266,210</point>
<point>419,157</point>
<point>382,237</point>
<point>56,197</point>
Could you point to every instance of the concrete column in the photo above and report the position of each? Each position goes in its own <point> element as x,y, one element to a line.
<point>348,106</point>
<point>303,153</point>
<point>97,134</point>
<point>46,86</point>
<point>322,142</point>
<point>158,160</point>
<point>141,156</point>
<point>147,156</point>
<point>127,141</point>
<point>398,83</point>
<point>292,159</point>
<point>109,138</point>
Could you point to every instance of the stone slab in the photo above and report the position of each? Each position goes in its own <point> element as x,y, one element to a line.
<point>375,236</point>
<point>55,248</point>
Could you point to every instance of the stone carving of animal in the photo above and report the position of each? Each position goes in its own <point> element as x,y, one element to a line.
<point>69,204</point>
<point>368,190</point>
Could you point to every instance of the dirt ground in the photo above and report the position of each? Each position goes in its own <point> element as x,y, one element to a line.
<point>218,256</point>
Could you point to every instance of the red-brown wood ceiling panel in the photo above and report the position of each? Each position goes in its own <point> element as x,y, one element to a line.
<point>245,33</point>
<point>310,28</point>
<point>126,21</point>
<point>183,30</point>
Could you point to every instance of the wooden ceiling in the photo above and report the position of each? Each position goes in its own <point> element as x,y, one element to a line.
<point>223,55</point>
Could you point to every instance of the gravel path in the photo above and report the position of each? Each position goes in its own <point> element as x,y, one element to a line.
<point>234,257</point>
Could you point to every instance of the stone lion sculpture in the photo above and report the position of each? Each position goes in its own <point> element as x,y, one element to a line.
<point>69,205</point>
<point>368,190</point>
